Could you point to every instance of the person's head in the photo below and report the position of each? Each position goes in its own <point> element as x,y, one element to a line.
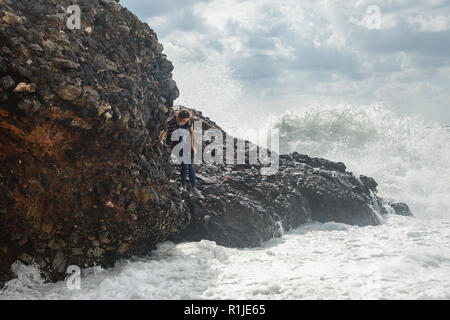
<point>183,116</point>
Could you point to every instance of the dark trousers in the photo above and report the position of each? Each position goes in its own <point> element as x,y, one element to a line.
<point>188,168</point>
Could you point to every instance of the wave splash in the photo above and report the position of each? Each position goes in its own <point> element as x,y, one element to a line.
<point>407,157</point>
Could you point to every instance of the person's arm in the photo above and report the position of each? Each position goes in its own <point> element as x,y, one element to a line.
<point>162,136</point>
<point>192,138</point>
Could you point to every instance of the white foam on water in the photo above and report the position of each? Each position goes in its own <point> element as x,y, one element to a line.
<point>409,158</point>
<point>405,258</point>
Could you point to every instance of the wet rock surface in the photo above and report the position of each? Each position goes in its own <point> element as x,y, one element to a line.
<point>242,207</point>
<point>83,179</point>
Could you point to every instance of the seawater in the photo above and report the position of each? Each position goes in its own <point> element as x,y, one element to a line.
<point>404,258</point>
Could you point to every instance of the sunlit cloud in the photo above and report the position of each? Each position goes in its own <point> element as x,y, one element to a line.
<point>311,48</point>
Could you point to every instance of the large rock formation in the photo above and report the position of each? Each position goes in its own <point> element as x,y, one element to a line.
<point>242,207</point>
<point>83,178</point>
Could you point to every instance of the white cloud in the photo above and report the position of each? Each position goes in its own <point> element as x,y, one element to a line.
<point>305,49</point>
<point>431,23</point>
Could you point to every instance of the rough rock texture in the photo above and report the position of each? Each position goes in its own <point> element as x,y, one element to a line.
<point>83,179</point>
<point>242,208</point>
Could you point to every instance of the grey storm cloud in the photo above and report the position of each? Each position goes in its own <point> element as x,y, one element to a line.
<point>145,9</point>
<point>184,19</point>
<point>404,38</point>
<point>260,66</point>
<point>313,43</point>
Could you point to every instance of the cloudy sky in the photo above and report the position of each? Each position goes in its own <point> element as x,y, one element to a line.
<point>318,51</point>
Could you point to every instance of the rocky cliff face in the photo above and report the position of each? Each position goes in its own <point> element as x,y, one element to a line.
<point>242,207</point>
<point>82,177</point>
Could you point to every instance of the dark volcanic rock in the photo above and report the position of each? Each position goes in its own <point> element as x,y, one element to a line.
<point>401,209</point>
<point>83,179</point>
<point>242,208</point>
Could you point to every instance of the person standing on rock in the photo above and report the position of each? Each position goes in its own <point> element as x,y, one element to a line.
<point>182,120</point>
